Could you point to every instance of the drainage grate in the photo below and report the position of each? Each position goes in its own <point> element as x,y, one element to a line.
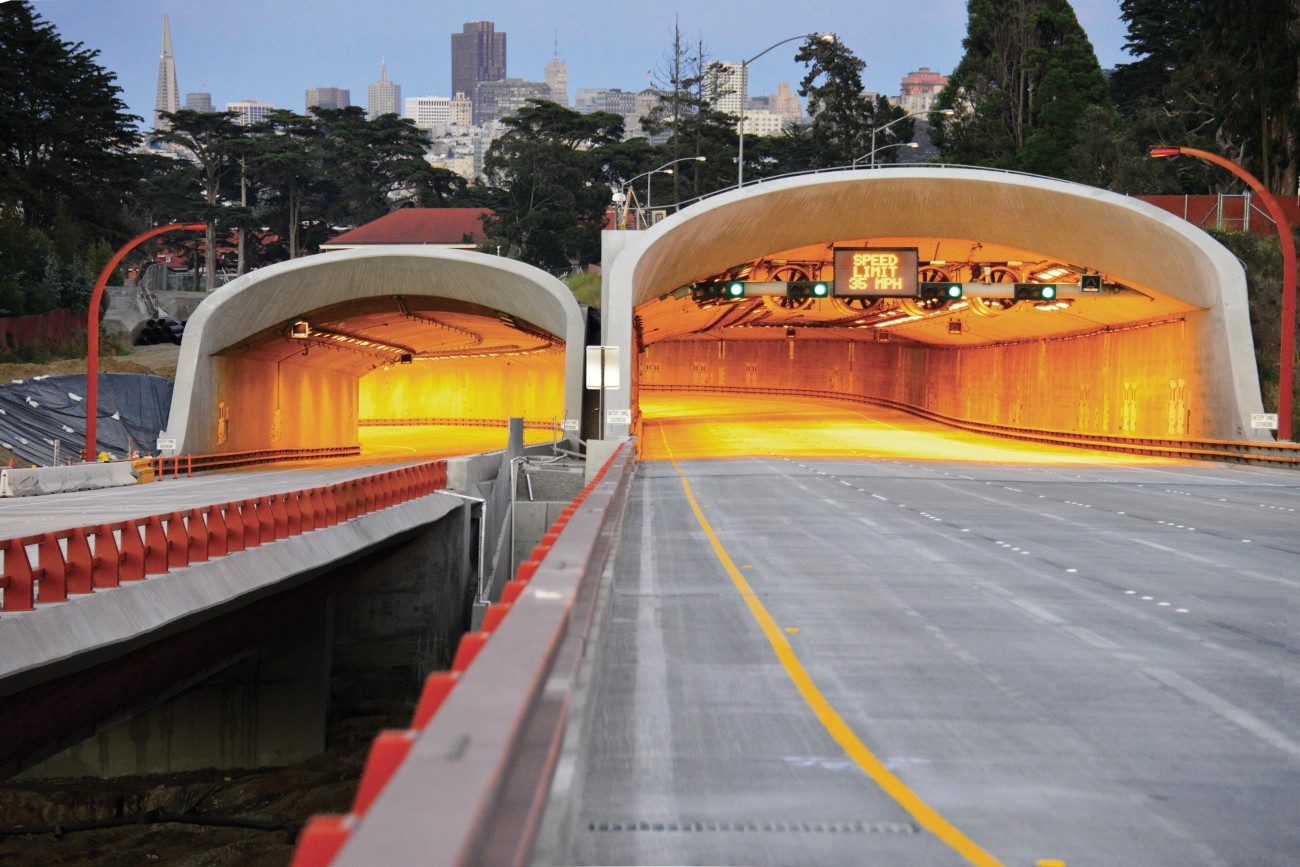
<point>763,827</point>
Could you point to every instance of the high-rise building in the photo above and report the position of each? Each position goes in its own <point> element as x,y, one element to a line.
<point>432,113</point>
<point>169,94</point>
<point>727,87</point>
<point>462,110</point>
<point>328,97</point>
<point>494,100</point>
<point>920,89</point>
<point>199,101</point>
<point>478,53</point>
<point>250,111</point>
<point>384,96</point>
<point>557,79</point>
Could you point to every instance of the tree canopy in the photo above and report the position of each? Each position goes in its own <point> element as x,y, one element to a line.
<point>65,135</point>
<point>551,175</point>
<point>1027,78</point>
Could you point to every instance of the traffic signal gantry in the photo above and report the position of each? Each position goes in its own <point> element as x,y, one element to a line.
<point>904,285</point>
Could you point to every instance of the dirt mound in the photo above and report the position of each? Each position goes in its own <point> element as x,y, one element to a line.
<point>159,360</point>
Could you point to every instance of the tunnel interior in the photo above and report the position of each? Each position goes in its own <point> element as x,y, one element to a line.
<point>1117,358</point>
<point>340,374</point>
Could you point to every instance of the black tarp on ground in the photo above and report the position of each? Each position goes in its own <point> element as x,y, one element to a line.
<point>35,412</point>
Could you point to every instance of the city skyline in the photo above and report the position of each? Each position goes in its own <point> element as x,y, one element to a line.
<point>289,52</point>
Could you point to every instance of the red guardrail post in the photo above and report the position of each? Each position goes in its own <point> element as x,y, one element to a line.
<point>107,560</point>
<point>323,506</point>
<point>155,546</point>
<point>294,511</point>
<point>279,515</point>
<point>197,530</point>
<point>78,562</point>
<point>387,751</point>
<point>252,527</point>
<point>18,583</point>
<point>307,509</point>
<point>215,520</point>
<point>265,520</point>
<point>321,839</point>
<point>234,527</point>
<point>132,555</point>
<point>52,586</point>
<point>178,542</point>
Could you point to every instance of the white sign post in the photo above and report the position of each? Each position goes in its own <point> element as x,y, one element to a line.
<point>602,374</point>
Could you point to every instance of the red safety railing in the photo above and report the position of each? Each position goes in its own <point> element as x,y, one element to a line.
<point>177,465</point>
<point>325,835</point>
<point>84,559</point>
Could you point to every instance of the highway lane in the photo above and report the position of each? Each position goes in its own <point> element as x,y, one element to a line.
<point>1091,658</point>
<point>382,448</point>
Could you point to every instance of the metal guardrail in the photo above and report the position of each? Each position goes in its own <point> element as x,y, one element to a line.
<point>1238,451</point>
<point>453,422</point>
<point>466,783</point>
<point>231,460</point>
<point>82,560</point>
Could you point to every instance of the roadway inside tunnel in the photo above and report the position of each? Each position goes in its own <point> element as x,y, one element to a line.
<point>719,426</point>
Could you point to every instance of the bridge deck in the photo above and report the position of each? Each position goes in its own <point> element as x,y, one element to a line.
<point>1094,664</point>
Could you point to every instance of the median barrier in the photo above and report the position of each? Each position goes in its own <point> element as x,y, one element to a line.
<point>35,481</point>
<point>81,560</point>
<point>520,668</point>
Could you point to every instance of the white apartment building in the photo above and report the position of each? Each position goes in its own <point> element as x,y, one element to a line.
<point>432,113</point>
<point>727,87</point>
<point>250,111</point>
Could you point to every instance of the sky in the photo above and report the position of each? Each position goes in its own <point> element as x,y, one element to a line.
<point>274,50</point>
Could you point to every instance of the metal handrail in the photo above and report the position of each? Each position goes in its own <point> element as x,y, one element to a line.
<point>677,206</point>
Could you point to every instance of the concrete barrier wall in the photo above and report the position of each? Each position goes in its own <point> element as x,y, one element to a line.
<point>34,481</point>
<point>1145,381</point>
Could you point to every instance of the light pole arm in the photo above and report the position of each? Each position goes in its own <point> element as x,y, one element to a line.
<point>92,324</point>
<point>744,77</point>
<point>1286,372</point>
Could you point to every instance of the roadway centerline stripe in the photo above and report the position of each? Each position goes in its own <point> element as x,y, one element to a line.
<point>834,724</point>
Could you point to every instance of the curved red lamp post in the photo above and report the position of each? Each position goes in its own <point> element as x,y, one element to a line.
<point>1286,373</point>
<point>92,325</point>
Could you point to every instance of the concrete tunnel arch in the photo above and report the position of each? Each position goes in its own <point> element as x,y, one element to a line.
<point>1143,245</point>
<point>216,390</point>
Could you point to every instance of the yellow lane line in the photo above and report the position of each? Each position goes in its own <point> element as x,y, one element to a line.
<point>825,713</point>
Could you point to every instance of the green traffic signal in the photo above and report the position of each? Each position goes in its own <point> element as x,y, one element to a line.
<point>944,291</point>
<point>735,289</point>
<point>807,289</point>
<point>1035,292</point>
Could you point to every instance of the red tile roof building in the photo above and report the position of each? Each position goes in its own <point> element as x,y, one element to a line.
<point>449,228</point>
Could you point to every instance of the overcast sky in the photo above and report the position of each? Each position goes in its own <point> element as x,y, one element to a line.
<point>274,50</point>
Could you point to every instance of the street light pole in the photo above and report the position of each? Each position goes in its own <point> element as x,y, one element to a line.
<point>744,96</point>
<point>650,174</point>
<point>92,325</point>
<point>885,147</point>
<point>875,129</point>
<point>1286,372</point>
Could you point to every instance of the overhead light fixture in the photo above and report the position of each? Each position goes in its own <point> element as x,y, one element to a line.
<point>301,330</point>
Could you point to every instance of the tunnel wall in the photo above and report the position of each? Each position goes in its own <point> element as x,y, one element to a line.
<point>309,408</point>
<point>470,388</point>
<point>1142,382</point>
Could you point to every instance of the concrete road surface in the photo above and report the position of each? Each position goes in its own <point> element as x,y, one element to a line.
<point>835,635</point>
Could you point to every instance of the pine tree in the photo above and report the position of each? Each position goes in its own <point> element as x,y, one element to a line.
<point>1027,79</point>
